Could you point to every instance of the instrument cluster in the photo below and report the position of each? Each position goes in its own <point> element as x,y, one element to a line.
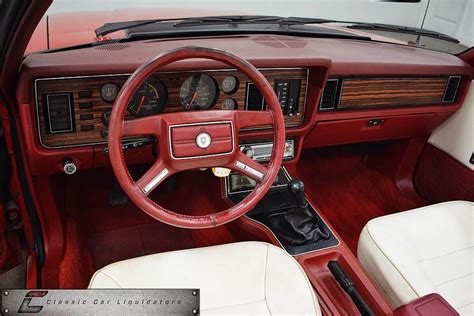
<point>75,111</point>
<point>199,91</point>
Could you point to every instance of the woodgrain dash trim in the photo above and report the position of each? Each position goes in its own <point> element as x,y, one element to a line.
<point>360,93</point>
<point>173,82</point>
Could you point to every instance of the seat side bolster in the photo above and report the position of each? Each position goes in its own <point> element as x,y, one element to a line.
<point>279,262</point>
<point>396,289</point>
<point>105,281</point>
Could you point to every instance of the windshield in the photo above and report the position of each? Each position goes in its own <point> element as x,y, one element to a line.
<point>73,22</point>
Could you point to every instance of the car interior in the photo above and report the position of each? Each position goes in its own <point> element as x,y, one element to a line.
<point>325,172</point>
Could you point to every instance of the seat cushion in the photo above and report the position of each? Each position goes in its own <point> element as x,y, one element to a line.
<point>244,278</point>
<point>422,251</point>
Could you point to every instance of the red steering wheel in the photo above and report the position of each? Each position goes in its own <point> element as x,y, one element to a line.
<point>195,139</point>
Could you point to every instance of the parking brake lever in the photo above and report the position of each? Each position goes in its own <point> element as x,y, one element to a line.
<point>349,287</point>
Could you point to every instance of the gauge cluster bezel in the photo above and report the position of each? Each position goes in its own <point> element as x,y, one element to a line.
<point>88,102</point>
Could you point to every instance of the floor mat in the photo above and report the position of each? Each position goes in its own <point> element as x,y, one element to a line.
<point>346,191</point>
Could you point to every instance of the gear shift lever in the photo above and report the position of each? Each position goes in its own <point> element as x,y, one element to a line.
<point>297,225</point>
<point>296,188</point>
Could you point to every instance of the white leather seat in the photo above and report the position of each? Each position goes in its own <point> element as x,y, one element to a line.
<point>252,278</point>
<point>422,251</point>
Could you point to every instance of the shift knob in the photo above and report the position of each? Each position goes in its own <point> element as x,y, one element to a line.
<point>296,188</point>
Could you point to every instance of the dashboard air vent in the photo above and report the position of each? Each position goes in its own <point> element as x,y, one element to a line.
<point>254,100</point>
<point>451,89</point>
<point>330,95</point>
<point>60,116</point>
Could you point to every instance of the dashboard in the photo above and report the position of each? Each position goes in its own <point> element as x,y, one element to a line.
<point>332,92</point>
<point>74,111</point>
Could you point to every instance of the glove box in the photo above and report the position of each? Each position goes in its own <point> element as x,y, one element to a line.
<point>346,131</point>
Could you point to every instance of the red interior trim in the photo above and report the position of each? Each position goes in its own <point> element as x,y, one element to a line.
<point>439,177</point>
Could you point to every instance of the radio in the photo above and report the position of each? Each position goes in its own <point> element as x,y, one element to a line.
<point>261,152</point>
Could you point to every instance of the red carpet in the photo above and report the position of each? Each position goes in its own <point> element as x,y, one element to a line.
<point>99,234</point>
<point>346,191</point>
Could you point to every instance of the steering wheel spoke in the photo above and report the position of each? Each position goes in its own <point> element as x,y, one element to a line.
<point>149,125</point>
<point>249,167</point>
<point>248,119</point>
<point>158,172</point>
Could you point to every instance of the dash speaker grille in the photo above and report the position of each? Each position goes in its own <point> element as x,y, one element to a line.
<point>113,47</point>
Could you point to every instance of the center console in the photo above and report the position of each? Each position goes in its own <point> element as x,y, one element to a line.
<point>285,212</point>
<point>290,219</point>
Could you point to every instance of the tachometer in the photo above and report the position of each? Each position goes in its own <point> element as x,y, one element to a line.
<point>149,99</point>
<point>198,92</point>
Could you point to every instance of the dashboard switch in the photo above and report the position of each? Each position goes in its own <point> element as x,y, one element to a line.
<point>106,117</point>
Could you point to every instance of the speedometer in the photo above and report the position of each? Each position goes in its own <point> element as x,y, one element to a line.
<point>150,98</point>
<point>198,92</point>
